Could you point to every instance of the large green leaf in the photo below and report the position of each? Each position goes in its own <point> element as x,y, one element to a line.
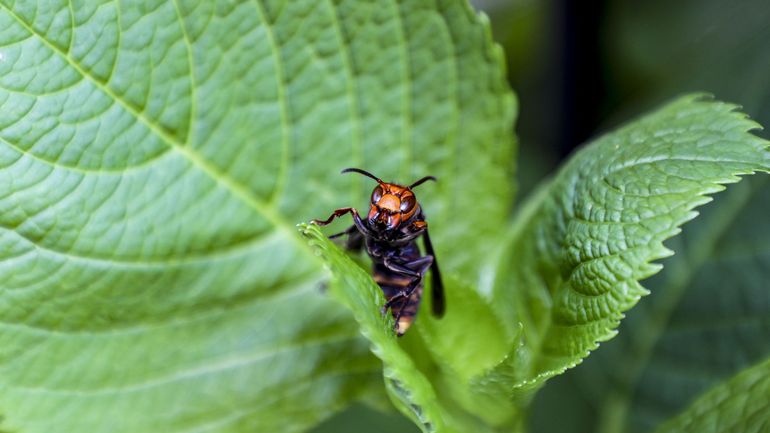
<point>580,246</point>
<point>154,157</point>
<point>409,388</point>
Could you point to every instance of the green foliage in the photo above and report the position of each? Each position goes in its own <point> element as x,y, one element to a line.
<point>584,242</point>
<point>408,387</point>
<point>708,316</point>
<point>154,157</point>
<point>575,255</point>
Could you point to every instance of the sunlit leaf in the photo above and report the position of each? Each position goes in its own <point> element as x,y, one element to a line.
<point>579,248</point>
<point>154,159</point>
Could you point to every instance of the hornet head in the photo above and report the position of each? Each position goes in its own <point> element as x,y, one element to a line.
<point>391,204</point>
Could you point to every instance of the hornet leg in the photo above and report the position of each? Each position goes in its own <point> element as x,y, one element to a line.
<point>359,223</point>
<point>422,264</point>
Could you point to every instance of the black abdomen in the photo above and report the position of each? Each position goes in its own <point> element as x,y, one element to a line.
<point>392,283</point>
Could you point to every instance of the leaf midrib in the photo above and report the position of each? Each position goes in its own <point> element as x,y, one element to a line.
<point>237,189</point>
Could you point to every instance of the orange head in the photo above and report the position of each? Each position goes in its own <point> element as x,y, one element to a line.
<point>391,204</point>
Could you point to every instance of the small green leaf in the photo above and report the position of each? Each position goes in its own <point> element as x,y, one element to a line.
<point>579,247</point>
<point>409,389</point>
<point>740,405</point>
<point>470,336</point>
<point>414,392</point>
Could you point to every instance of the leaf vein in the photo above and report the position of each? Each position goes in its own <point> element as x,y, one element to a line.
<point>196,372</point>
<point>239,190</point>
<point>121,171</point>
<point>286,121</point>
<point>350,92</point>
<point>406,100</point>
<point>139,263</point>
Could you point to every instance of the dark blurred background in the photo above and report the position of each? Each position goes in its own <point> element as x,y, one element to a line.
<point>581,68</point>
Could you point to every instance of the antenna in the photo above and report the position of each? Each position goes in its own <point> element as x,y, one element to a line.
<point>364,172</point>
<point>424,179</point>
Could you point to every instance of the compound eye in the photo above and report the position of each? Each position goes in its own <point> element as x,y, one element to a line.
<point>377,194</point>
<point>407,203</point>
